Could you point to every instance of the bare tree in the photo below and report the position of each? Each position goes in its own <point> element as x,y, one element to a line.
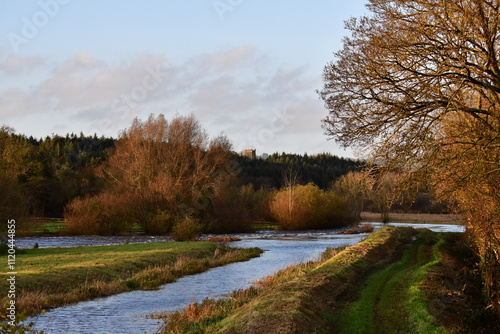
<point>355,187</point>
<point>385,192</point>
<point>166,165</point>
<point>418,85</point>
<point>291,180</point>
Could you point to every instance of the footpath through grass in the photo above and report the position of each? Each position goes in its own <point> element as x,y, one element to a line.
<point>390,300</point>
<point>52,277</point>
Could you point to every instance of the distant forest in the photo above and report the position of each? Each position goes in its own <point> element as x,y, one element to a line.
<point>321,169</point>
<point>39,177</point>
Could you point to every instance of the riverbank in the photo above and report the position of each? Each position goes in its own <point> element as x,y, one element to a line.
<point>39,227</point>
<point>397,280</point>
<point>414,218</point>
<point>53,277</point>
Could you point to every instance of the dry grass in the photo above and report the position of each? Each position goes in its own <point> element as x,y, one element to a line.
<point>54,277</point>
<point>415,217</point>
<point>364,228</point>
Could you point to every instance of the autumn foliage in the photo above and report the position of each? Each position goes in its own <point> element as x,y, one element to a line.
<point>160,173</point>
<point>308,207</point>
<point>417,86</point>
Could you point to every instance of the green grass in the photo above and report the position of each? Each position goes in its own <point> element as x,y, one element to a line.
<point>50,227</point>
<point>264,226</point>
<point>55,276</point>
<point>391,301</point>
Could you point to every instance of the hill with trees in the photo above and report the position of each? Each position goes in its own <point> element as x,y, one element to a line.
<point>321,169</point>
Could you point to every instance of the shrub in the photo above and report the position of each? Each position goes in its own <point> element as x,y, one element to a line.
<point>186,229</point>
<point>235,208</point>
<point>307,207</point>
<point>159,222</point>
<point>104,214</point>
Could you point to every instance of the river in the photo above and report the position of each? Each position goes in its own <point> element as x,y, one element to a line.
<point>127,312</point>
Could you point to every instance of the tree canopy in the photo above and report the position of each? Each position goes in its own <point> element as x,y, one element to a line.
<point>417,84</point>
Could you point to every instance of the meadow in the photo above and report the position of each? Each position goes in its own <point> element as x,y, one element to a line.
<point>52,277</point>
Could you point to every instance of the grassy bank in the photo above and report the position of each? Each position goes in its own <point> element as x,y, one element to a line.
<point>399,280</point>
<point>296,300</point>
<point>52,277</point>
<point>415,218</point>
<point>390,300</point>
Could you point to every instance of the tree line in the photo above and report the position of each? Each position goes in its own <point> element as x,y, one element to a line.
<point>39,177</point>
<point>321,169</point>
<point>153,177</point>
<point>167,176</point>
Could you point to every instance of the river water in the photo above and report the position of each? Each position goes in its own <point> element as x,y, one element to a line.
<point>127,312</point>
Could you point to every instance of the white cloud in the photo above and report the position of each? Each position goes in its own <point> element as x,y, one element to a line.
<point>16,102</point>
<point>231,59</point>
<point>11,64</point>
<point>83,81</point>
<point>238,91</point>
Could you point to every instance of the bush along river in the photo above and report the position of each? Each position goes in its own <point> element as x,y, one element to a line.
<point>130,312</point>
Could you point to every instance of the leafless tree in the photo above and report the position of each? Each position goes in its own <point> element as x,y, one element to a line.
<point>417,84</point>
<point>355,187</point>
<point>291,180</point>
<point>386,190</point>
<point>164,165</point>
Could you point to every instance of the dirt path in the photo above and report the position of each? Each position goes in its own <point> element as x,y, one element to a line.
<point>389,300</point>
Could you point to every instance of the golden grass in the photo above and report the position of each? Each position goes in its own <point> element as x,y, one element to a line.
<point>415,217</point>
<point>364,228</point>
<point>49,278</point>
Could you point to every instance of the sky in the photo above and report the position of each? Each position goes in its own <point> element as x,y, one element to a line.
<point>248,69</point>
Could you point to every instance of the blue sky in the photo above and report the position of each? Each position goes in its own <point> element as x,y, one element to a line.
<point>247,68</point>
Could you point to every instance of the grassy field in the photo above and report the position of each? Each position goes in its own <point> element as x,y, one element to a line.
<point>53,277</point>
<point>396,281</point>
